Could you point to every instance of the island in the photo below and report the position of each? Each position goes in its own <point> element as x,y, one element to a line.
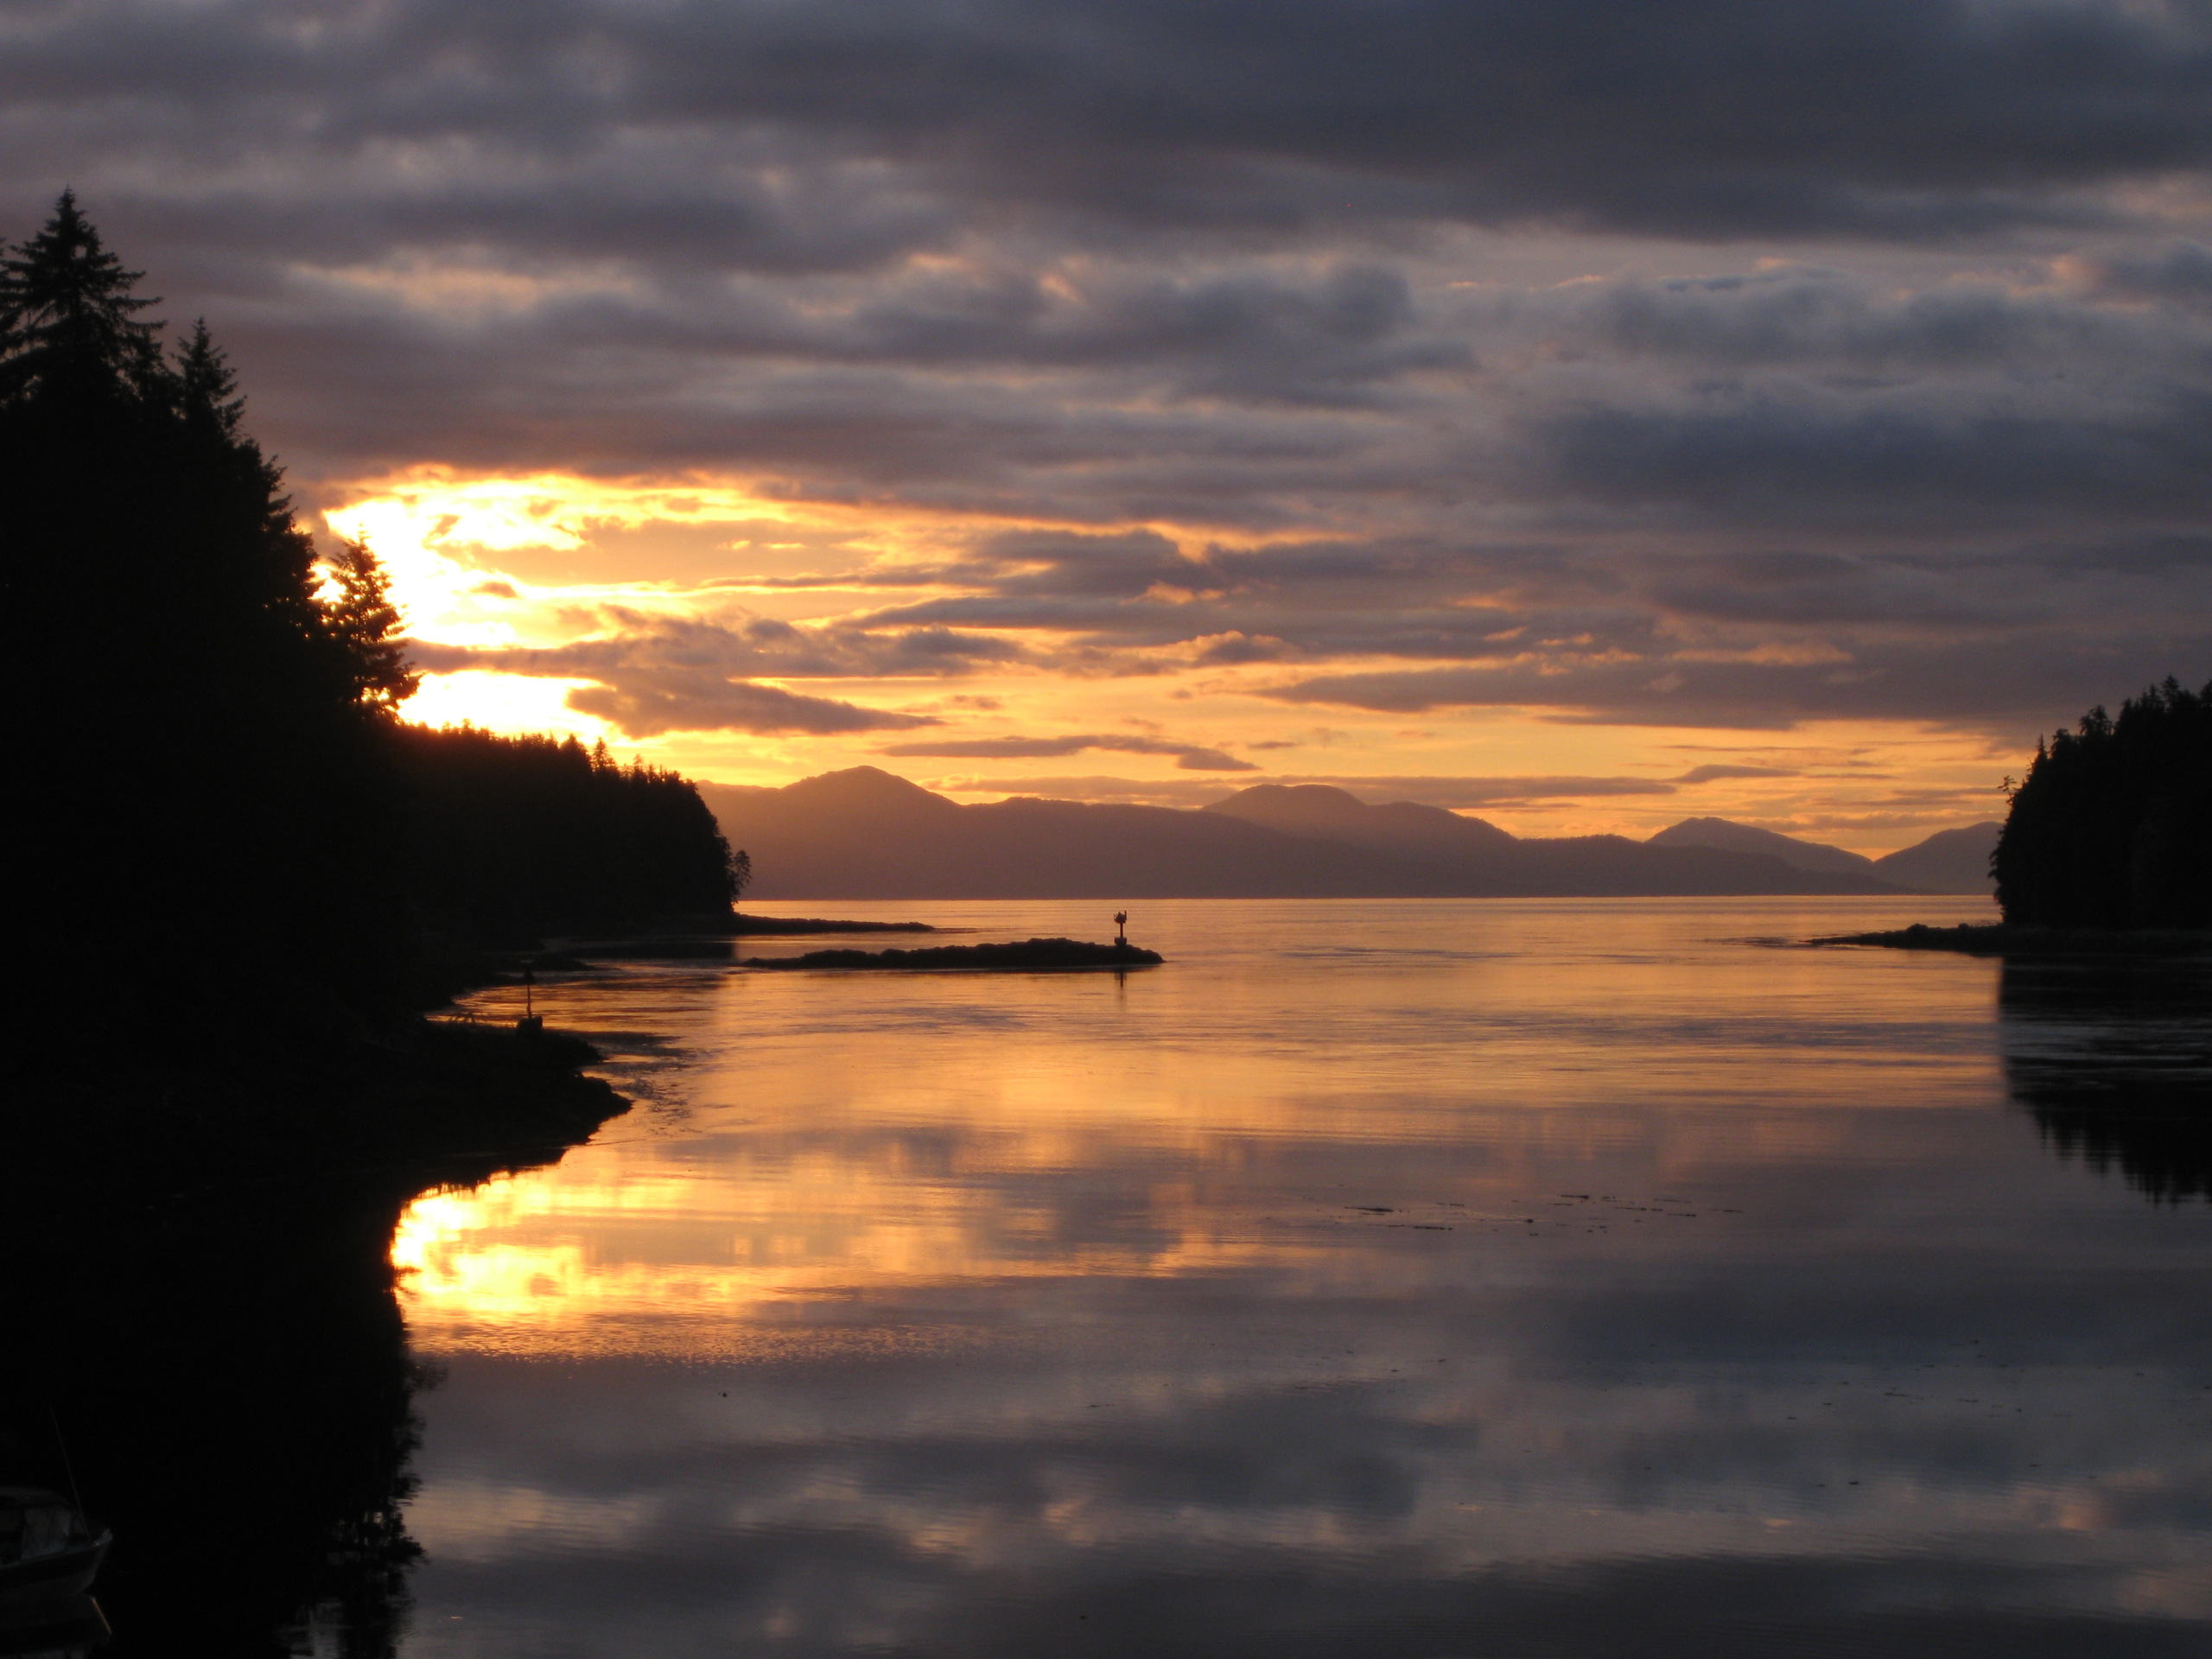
<point>1025,955</point>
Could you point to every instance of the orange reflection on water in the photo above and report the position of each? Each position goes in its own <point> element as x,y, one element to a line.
<point>851,1145</point>
<point>614,1250</point>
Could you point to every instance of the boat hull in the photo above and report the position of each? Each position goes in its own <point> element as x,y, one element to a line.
<point>51,1577</point>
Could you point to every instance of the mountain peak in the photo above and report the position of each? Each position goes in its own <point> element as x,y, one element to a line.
<point>1730,837</point>
<point>867,788</point>
<point>1950,860</point>
<point>1403,828</point>
<point>1309,795</point>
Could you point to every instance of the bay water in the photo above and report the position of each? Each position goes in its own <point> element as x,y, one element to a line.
<point>1410,1278</point>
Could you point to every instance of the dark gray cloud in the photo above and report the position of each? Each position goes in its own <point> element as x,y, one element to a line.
<point>1837,323</point>
<point>2181,272</point>
<point>1755,458</point>
<point>1189,757</point>
<point>1711,117</point>
<point>1926,414</point>
<point>2006,685</point>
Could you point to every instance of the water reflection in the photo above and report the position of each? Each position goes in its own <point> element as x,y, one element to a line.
<point>233,1394</point>
<point>2114,1058</point>
<point>224,1374</point>
<point>1525,1278</point>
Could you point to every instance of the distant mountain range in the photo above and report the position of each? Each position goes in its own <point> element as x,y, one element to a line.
<point>865,833</point>
<point>1950,860</point>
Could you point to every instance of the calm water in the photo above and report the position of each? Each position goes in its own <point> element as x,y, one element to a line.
<point>1540,1278</point>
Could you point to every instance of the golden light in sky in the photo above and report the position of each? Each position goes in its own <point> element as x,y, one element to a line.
<point>1537,459</point>
<point>547,561</point>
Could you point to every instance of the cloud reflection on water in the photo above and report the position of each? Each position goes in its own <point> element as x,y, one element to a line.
<point>1068,1317</point>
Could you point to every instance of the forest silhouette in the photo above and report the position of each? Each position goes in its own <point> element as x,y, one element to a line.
<point>513,837</point>
<point>239,877</point>
<point>233,839</point>
<point>2112,828</point>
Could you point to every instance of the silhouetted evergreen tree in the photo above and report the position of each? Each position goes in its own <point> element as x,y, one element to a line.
<point>2113,825</point>
<point>367,626</point>
<point>233,834</point>
<point>513,837</point>
<point>211,846</point>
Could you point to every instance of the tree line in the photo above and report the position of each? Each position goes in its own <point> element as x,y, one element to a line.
<point>514,836</point>
<point>222,826</point>
<point>2112,828</point>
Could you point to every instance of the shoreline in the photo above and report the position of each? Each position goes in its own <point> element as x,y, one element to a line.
<point>1996,939</point>
<point>445,1098</point>
<point>214,1347</point>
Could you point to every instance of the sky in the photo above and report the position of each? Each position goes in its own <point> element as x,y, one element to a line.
<point>1587,414</point>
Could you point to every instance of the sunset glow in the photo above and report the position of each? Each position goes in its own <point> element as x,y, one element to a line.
<point>498,575</point>
<point>1517,453</point>
<point>1144,829</point>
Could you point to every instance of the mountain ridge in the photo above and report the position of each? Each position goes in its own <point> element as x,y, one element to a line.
<point>1950,860</point>
<point>1748,838</point>
<point>864,833</point>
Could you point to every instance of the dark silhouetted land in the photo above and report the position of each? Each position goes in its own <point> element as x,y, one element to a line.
<point>519,837</point>
<point>236,988</point>
<point>1950,860</point>
<point>795,927</point>
<point>2107,848</point>
<point>865,833</point>
<point>1997,939</point>
<point>199,1297</point>
<point>2112,828</point>
<point>1028,956</point>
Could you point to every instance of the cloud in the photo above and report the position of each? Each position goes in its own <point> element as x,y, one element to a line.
<point>1449,791</point>
<point>1991,684</point>
<point>1707,774</point>
<point>1757,458</point>
<point>733,644</point>
<point>1189,757</point>
<point>1091,787</point>
<point>648,704</point>
<point>663,674</point>
<point>1429,790</point>
<point>2180,272</point>
<point>1571,350</point>
<point>1713,118</point>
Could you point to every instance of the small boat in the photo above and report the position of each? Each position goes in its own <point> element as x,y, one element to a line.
<point>49,1550</point>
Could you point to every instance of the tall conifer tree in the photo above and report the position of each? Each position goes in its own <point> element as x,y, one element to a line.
<point>165,640</point>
